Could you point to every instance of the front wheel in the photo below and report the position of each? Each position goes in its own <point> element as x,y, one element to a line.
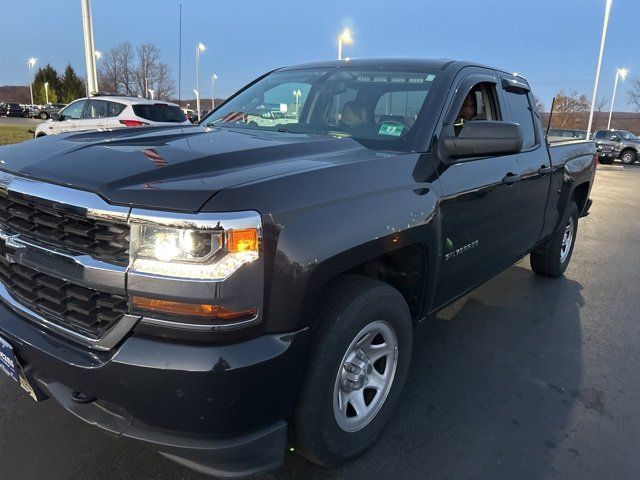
<point>553,258</point>
<point>359,362</point>
<point>628,157</point>
<point>44,116</point>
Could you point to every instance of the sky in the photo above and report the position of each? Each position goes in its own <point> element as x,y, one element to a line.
<point>553,43</point>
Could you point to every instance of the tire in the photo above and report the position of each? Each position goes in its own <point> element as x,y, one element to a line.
<point>353,308</point>
<point>628,157</point>
<point>44,116</point>
<point>605,160</point>
<point>552,259</point>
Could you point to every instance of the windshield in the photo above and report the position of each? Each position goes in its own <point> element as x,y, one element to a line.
<point>377,107</point>
<point>627,135</point>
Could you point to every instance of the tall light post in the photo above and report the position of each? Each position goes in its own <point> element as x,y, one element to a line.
<point>151,92</point>
<point>32,63</point>
<point>89,49</point>
<point>297,93</point>
<point>620,73</point>
<point>197,102</point>
<point>214,77</point>
<point>46,92</point>
<point>199,48</point>
<point>344,38</point>
<point>605,25</point>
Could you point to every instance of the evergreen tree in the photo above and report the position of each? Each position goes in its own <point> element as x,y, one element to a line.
<point>50,75</point>
<point>72,86</point>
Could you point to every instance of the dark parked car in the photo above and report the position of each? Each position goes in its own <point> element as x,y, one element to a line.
<point>45,111</point>
<point>12,110</point>
<point>626,145</point>
<point>214,290</point>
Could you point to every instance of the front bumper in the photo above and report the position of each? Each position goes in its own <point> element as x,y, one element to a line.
<point>218,409</point>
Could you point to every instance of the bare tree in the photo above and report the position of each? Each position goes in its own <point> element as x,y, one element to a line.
<point>122,71</point>
<point>634,94</point>
<point>539,104</point>
<point>115,70</point>
<point>567,107</point>
<point>601,104</point>
<point>150,73</point>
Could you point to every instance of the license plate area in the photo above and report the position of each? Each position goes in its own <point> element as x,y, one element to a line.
<point>10,366</point>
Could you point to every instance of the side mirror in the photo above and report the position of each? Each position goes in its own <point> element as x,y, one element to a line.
<point>55,117</point>
<point>479,138</point>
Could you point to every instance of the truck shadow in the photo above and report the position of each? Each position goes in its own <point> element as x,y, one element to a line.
<point>493,381</point>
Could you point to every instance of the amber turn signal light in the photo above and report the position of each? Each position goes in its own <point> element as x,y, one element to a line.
<point>212,312</point>
<point>242,240</point>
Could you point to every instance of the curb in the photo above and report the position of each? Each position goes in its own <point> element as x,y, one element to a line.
<point>609,167</point>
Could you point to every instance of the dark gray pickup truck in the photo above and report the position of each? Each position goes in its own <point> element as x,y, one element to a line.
<point>221,290</point>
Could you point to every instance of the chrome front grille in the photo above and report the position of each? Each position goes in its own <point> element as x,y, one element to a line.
<point>63,260</point>
<point>74,232</point>
<point>87,311</point>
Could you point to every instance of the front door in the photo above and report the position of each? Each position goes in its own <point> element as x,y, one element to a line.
<point>478,197</point>
<point>69,117</point>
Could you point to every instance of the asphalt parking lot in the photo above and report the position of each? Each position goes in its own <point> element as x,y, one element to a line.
<point>525,378</point>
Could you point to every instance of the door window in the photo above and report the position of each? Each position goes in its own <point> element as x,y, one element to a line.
<point>74,111</point>
<point>96,109</point>
<point>522,114</point>
<point>115,109</point>
<point>479,104</point>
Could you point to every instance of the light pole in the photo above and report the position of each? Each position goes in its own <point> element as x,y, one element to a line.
<point>199,48</point>
<point>46,92</point>
<point>620,73</point>
<point>297,93</point>
<point>197,102</point>
<point>214,77</point>
<point>89,49</point>
<point>607,11</point>
<point>152,92</point>
<point>344,38</point>
<point>32,63</point>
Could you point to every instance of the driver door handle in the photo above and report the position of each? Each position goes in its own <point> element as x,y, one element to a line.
<point>511,178</point>
<point>544,170</point>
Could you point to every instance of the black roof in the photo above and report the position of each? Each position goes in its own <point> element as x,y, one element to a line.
<point>434,64</point>
<point>417,63</point>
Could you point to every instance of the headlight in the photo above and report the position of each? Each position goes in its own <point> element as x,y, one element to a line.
<point>200,250</point>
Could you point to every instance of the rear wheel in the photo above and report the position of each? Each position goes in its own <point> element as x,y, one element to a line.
<point>553,258</point>
<point>359,362</point>
<point>628,157</point>
<point>44,116</point>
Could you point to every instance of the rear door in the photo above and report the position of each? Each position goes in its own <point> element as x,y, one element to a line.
<point>94,116</point>
<point>534,165</point>
<point>115,109</point>
<point>477,206</point>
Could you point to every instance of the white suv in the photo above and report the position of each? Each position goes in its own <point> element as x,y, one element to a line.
<point>106,112</point>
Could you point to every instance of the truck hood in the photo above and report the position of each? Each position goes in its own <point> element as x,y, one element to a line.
<point>172,168</point>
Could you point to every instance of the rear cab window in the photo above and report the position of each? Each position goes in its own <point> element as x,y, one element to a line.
<point>159,112</point>
<point>522,113</point>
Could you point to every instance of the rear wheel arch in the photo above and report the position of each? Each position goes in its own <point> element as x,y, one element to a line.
<point>580,195</point>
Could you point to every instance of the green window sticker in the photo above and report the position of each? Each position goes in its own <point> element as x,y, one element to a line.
<point>391,129</point>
